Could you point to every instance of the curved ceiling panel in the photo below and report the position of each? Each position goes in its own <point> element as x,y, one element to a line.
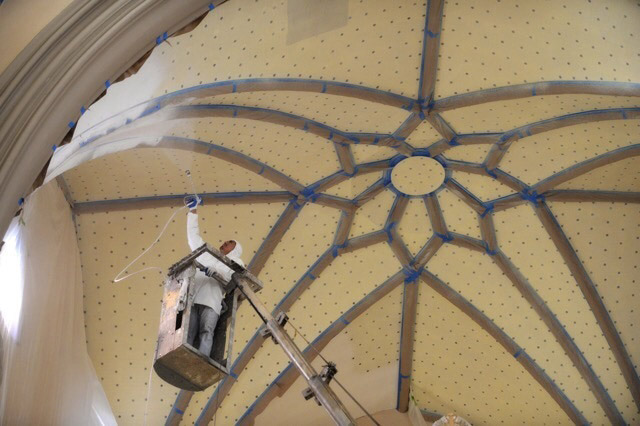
<point>511,114</point>
<point>553,151</point>
<point>490,44</point>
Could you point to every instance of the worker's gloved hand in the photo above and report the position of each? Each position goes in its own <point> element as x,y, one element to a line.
<point>192,201</point>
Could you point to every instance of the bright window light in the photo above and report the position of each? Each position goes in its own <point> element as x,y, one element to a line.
<point>11,281</point>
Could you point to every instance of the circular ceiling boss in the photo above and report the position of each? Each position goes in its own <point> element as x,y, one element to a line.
<point>417,175</point>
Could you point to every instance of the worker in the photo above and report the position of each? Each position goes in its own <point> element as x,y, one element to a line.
<point>209,293</point>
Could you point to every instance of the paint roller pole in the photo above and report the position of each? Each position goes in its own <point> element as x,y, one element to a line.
<point>320,389</point>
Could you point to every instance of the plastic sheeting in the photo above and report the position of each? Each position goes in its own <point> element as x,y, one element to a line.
<point>47,376</point>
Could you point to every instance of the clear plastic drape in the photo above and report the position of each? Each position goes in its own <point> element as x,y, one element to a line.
<point>47,376</point>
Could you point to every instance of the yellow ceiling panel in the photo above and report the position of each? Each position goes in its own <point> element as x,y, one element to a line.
<point>458,216</point>
<point>146,172</point>
<point>529,247</point>
<point>368,153</point>
<point>310,235</point>
<point>458,367</point>
<point>385,48</point>
<point>263,368</point>
<point>284,148</point>
<point>373,215</point>
<point>415,226</point>
<point>483,187</point>
<point>480,281</point>
<point>470,153</point>
<point>506,115</point>
<point>536,157</point>
<point>623,175</point>
<point>350,188</point>
<point>340,285</point>
<point>487,44</point>
<point>366,355</point>
<point>343,113</point>
<point>606,237</point>
<point>424,135</point>
<point>122,318</point>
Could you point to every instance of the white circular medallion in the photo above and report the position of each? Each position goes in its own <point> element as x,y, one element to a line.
<point>417,175</point>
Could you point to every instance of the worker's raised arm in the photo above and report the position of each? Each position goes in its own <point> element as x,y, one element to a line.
<point>195,241</point>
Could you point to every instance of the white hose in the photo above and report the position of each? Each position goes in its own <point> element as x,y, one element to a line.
<point>118,278</point>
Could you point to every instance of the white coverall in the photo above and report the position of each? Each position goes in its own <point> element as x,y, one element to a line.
<point>208,293</point>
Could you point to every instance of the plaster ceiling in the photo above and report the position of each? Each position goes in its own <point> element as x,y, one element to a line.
<point>526,306</point>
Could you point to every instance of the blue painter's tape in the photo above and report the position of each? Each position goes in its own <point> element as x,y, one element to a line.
<point>307,192</point>
<point>21,201</point>
<point>235,88</point>
<point>177,410</point>
<point>410,106</point>
<point>376,140</point>
<point>395,160</point>
<point>235,112</point>
<point>388,230</point>
<point>421,152</point>
<point>310,275</point>
<point>531,196</point>
<point>442,162</point>
<point>386,179</point>
<point>212,6</point>
<point>306,126</point>
<point>533,90</point>
<point>82,110</point>
<point>107,84</point>
<point>324,87</point>
<point>444,237</point>
<point>402,376</point>
<point>334,252</point>
<point>412,275</point>
<point>71,124</point>
<point>488,208</point>
<point>491,172</point>
<point>624,114</point>
<point>295,205</point>
<point>232,374</point>
<point>489,251</point>
<point>517,354</point>
<point>158,40</point>
<point>421,115</point>
<point>54,147</point>
<point>261,170</point>
<point>345,321</point>
<point>432,35</point>
<point>454,141</point>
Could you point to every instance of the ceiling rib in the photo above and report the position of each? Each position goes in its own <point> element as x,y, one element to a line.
<point>190,94</point>
<point>587,195</point>
<point>274,237</point>
<point>537,89</point>
<point>499,149</point>
<point>287,301</point>
<point>561,335</point>
<point>590,293</point>
<point>217,151</point>
<point>177,200</point>
<point>554,325</point>
<point>508,343</point>
<point>586,166</point>
<point>289,375</point>
<point>430,47</point>
<point>345,157</point>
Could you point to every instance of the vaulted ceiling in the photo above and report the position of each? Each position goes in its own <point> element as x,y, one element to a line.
<point>507,295</point>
